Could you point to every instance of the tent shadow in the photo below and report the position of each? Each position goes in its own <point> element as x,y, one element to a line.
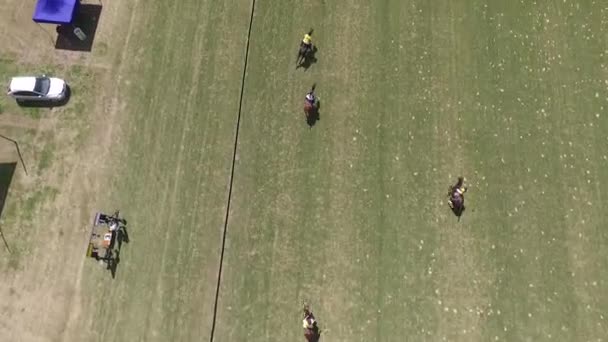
<point>87,20</point>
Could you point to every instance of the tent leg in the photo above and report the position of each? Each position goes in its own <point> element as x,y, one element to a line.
<point>48,34</point>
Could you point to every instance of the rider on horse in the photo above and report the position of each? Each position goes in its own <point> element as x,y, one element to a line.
<point>456,195</point>
<point>310,97</point>
<point>311,107</point>
<point>311,330</point>
<point>309,321</point>
<point>306,49</point>
<point>307,42</point>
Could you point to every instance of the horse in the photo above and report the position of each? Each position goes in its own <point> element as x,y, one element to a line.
<point>311,111</point>
<point>456,197</point>
<point>303,53</point>
<point>311,330</point>
<point>312,335</point>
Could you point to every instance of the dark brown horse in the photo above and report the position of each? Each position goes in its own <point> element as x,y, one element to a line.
<point>312,335</point>
<point>311,330</point>
<point>304,52</point>
<point>456,197</point>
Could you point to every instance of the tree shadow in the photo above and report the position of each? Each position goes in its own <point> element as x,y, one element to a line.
<point>47,103</point>
<point>7,170</point>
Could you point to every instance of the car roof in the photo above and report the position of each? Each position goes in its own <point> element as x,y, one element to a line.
<point>22,83</point>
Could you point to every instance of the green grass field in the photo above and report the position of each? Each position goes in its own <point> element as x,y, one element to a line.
<point>351,215</point>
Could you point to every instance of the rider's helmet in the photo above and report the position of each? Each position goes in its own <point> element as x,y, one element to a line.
<point>307,39</point>
<point>310,97</point>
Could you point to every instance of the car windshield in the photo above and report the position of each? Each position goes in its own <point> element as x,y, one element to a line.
<point>42,85</point>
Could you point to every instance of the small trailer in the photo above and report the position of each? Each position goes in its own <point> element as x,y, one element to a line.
<point>107,234</point>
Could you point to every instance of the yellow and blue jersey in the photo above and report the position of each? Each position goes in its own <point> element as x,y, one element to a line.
<point>307,39</point>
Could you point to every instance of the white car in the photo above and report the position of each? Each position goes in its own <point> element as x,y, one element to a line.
<point>37,88</point>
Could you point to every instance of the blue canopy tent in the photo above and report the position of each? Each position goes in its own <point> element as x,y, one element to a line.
<point>59,12</point>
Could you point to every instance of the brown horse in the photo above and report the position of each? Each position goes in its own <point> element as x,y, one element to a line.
<point>311,111</point>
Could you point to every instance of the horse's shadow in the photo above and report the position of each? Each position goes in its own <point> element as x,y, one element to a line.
<point>309,59</point>
<point>314,115</point>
